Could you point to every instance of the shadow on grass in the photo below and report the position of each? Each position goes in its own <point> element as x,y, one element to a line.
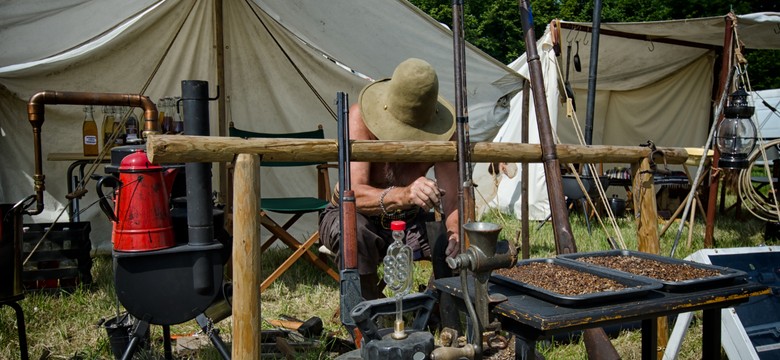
<point>301,273</point>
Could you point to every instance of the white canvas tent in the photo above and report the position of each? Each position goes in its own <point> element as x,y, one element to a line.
<point>646,90</point>
<point>284,61</point>
<point>767,117</point>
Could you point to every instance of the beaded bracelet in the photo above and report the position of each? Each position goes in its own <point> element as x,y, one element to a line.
<point>382,200</point>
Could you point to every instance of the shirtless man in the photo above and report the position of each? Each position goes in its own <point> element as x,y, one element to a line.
<point>403,107</point>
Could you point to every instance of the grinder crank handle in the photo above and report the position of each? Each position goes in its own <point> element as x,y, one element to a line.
<point>365,313</point>
<point>115,183</point>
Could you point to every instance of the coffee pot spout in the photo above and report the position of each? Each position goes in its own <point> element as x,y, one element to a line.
<point>169,177</point>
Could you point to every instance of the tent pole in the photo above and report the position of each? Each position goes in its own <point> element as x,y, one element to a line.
<point>219,41</point>
<point>592,70</point>
<point>725,66</point>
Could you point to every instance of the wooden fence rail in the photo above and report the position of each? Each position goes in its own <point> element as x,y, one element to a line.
<point>248,152</point>
<point>185,148</point>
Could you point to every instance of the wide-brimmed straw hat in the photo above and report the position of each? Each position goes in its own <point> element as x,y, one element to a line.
<point>407,106</point>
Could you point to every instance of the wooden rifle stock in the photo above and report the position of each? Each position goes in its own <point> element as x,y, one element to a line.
<point>349,230</point>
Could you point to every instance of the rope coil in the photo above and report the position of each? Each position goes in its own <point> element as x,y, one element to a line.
<point>755,202</point>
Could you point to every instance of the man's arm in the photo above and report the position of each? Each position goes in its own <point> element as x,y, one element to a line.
<point>370,200</point>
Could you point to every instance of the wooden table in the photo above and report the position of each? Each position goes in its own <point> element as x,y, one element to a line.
<point>531,319</point>
<point>80,161</point>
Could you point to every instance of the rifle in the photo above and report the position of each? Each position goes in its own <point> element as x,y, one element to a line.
<point>465,186</point>
<point>348,274</point>
<point>597,343</point>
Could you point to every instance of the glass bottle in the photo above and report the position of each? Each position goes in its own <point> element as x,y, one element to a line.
<point>165,117</point>
<point>168,118</point>
<point>131,127</point>
<point>108,126</point>
<point>89,133</point>
<point>398,273</point>
<point>161,109</point>
<point>120,127</point>
<point>178,123</point>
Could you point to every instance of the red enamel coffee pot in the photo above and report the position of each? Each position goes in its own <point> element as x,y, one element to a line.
<point>141,216</point>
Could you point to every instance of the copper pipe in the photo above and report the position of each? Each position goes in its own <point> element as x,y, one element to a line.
<point>35,114</point>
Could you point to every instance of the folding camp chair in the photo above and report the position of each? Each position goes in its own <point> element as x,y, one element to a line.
<point>295,206</point>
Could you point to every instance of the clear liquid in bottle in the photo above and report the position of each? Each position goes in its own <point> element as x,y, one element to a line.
<point>108,126</point>
<point>131,126</point>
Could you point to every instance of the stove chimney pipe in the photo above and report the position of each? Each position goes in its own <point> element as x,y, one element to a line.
<point>200,226</point>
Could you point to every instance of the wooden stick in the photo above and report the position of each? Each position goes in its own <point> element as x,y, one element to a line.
<point>671,218</point>
<point>246,258</point>
<point>690,225</point>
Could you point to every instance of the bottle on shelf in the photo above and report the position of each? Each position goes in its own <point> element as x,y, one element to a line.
<point>131,128</point>
<point>108,126</point>
<point>89,133</point>
<point>162,113</point>
<point>168,118</point>
<point>120,126</point>
<point>178,122</point>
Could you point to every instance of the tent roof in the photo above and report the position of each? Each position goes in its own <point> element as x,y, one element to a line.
<point>634,55</point>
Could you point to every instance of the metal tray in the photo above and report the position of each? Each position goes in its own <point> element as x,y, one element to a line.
<point>635,286</point>
<point>727,276</point>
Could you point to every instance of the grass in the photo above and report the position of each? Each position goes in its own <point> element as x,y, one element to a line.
<point>65,326</point>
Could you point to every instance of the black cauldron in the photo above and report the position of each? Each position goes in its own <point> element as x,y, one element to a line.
<point>618,206</point>
<point>572,190</point>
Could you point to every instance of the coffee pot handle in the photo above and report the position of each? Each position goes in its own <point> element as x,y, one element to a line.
<point>108,180</point>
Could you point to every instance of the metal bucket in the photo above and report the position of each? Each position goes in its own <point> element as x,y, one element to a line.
<point>120,331</point>
<point>11,250</point>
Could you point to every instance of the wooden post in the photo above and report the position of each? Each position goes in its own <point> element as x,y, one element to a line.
<point>646,212</point>
<point>246,258</point>
<point>645,207</point>
<point>219,43</point>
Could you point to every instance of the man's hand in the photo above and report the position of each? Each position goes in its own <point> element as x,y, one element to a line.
<point>453,246</point>
<point>424,193</point>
